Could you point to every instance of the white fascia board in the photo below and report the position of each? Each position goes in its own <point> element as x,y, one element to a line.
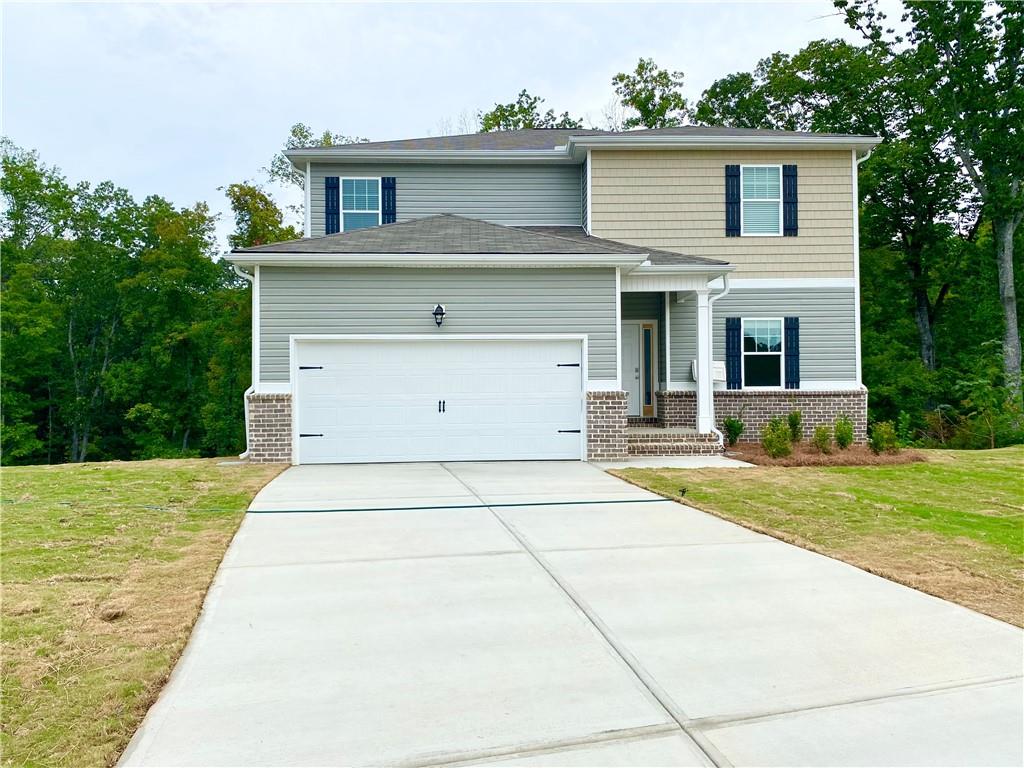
<point>624,141</point>
<point>624,260</point>
<point>299,158</point>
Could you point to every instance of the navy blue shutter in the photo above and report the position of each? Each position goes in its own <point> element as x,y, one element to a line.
<point>792,334</point>
<point>732,201</point>
<point>388,201</point>
<point>733,354</point>
<point>332,205</point>
<point>789,202</point>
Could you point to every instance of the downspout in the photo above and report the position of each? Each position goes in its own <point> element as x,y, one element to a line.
<point>856,259</point>
<point>711,346</point>
<point>252,387</point>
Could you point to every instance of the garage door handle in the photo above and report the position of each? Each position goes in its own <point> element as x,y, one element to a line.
<point>567,365</point>
<point>573,431</point>
<point>311,434</point>
<point>443,406</point>
<point>311,367</point>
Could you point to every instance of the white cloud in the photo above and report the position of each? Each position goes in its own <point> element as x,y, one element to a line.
<point>179,99</point>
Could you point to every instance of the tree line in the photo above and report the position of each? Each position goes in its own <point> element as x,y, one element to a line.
<point>123,336</point>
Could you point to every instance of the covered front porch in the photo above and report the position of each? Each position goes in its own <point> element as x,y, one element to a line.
<point>665,360</point>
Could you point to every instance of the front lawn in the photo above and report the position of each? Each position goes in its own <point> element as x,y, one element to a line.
<point>104,569</point>
<point>952,525</point>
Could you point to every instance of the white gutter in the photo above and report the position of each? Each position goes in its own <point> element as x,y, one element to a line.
<point>627,261</point>
<point>252,387</point>
<point>711,346</point>
<point>568,152</point>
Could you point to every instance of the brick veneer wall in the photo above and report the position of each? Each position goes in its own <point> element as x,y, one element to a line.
<point>755,409</point>
<point>606,425</point>
<point>270,428</point>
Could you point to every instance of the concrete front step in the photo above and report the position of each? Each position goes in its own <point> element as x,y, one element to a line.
<point>670,442</point>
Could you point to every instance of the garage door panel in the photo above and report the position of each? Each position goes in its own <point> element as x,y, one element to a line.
<point>378,401</point>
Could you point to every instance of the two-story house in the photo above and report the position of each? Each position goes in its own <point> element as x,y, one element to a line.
<point>557,294</point>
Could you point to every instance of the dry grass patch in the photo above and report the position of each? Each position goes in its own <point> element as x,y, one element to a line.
<point>951,525</point>
<point>105,567</point>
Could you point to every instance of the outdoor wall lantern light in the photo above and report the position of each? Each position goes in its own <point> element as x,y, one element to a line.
<point>439,314</point>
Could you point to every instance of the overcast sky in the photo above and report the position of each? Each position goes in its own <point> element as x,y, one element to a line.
<point>180,99</point>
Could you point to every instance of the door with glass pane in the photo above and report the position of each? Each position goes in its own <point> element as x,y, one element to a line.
<point>640,366</point>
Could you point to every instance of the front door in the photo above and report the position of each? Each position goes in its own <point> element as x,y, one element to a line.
<point>639,366</point>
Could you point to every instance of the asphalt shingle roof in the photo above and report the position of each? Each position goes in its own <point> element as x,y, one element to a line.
<point>450,234</point>
<point>549,138</point>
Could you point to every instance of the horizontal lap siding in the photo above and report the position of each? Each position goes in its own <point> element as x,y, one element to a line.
<point>301,300</point>
<point>515,195</point>
<point>675,200</point>
<point>827,328</point>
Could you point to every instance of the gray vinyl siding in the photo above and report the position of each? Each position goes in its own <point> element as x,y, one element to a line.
<point>515,195</point>
<point>305,300</point>
<point>828,343</point>
<point>648,306</point>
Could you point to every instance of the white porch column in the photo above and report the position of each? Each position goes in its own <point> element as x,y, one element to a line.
<point>705,403</point>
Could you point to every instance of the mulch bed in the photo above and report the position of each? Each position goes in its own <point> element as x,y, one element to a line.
<point>805,455</point>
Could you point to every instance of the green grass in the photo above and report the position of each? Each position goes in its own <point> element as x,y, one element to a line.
<point>952,525</point>
<point>82,543</point>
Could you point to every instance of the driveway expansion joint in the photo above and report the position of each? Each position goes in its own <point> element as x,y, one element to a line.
<point>712,723</point>
<point>659,694</point>
<point>531,749</point>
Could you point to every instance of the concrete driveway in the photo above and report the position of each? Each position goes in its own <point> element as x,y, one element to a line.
<point>550,614</point>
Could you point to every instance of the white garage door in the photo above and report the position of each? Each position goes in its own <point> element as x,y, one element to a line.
<point>443,400</point>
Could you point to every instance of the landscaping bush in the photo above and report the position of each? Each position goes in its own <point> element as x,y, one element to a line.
<point>844,432</point>
<point>796,426</point>
<point>776,439</point>
<point>883,438</point>
<point>822,439</point>
<point>733,429</point>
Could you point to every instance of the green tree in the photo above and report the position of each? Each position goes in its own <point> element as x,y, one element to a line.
<point>967,58</point>
<point>654,93</point>
<point>524,112</point>
<point>258,220</point>
<point>301,136</point>
<point>913,195</point>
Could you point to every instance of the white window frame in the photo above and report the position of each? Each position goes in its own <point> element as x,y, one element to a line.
<point>743,227</point>
<point>781,353</point>
<point>341,199</point>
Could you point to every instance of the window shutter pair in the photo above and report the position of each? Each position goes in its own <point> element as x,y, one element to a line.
<point>332,202</point>
<point>734,353</point>
<point>733,201</point>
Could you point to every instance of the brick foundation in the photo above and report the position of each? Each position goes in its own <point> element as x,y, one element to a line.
<point>270,428</point>
<point>606,425</point>
<point>755,409</point>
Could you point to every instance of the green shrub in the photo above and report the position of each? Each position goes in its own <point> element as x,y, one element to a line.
<point>844,432</point>
<point>796,426</point>
<point>733,429</point>
<point>904,429</point>
<point>822,439</point>
<point>775,439</point>
<point>883,438</point>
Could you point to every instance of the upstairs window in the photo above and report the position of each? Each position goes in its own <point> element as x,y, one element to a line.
<point>762,352</point>
<point>761,200</point>
<point>360,203</point>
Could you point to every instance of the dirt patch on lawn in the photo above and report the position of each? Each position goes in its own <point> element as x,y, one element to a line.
<point>805,455</point>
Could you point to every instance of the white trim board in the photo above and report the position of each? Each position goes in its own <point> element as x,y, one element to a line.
<point>752,283</point>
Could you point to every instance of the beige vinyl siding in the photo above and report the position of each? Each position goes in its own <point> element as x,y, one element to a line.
<point>306,300</point>
<point>675,200</point>
<point>828,341</point>
<point>514,195</point>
